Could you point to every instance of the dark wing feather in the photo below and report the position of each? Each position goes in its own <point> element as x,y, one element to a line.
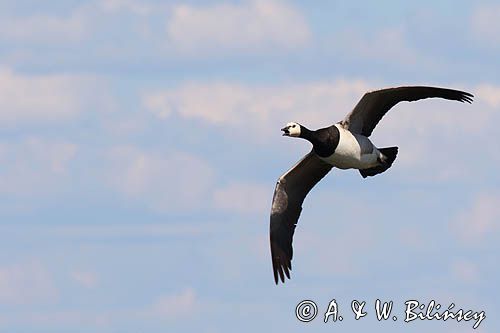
<point>290,191</point>
<point>374,105</point>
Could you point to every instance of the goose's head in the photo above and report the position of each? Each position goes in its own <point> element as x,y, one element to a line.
<point>291,129</point>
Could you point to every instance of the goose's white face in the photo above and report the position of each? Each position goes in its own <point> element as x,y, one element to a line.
<point>291,129</point>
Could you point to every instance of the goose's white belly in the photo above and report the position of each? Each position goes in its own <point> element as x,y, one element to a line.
<point>353,151</point>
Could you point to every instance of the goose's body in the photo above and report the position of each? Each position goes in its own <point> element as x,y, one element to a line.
<point>344,145</point>
<point>354,151</point>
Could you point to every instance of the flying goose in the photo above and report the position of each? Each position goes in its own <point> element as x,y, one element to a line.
<point>344,145</point>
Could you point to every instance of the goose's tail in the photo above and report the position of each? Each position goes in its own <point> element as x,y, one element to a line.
<point>389,155</point>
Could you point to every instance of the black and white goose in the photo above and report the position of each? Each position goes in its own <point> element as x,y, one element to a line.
<point>344,145</point>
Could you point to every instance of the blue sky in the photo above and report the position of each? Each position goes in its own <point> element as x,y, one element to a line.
<point>140,145</point>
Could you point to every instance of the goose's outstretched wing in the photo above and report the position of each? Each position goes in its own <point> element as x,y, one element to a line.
<point>375,104</point>
<point>290,191</point>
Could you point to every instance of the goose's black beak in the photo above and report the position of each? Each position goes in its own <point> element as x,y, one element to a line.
<point>285,131</point>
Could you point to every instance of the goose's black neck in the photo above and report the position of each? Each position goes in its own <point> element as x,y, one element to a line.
<point>307,134</point>
<point>324,140</point>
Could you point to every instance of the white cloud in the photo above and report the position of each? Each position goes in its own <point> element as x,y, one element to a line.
<point>75,27</point>
<point>48,98</point>
<point>249,26</point>
<point>88,31</point>
<point>326,253</point>
<point>485,24</point>
<point>490,94</point>
<point>435,132</point>
<point>260,109</point>
<point>51,319</point>
<point>176,181</point>
<point>313,104</point>
<point>122,231</point>
<point>243,198</point>
<point>478,221</point>
<point>136,7</point>
<point>34,166</point>
<point>85,278</point>
<point>379,45</point>
<point>175,306</point>
<point>465,271</point>
<point>257,112</point>
<point>237,105</point>
<point>411,237</point>
<point>43,28</point>
<point>26,284</point>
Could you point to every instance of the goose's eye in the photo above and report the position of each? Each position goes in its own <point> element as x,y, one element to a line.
<point>293,126</point>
